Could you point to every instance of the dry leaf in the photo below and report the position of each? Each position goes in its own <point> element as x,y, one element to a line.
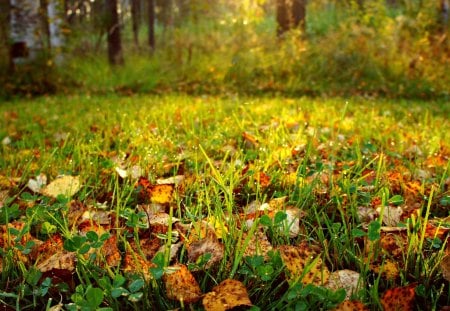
<point>388,270</point>
<point>160,194</point>
<point>346,279</point>
<point>38,183</point>
<point>60,260</point>
<point>351,306</point>
<point>258,245</point>
<point>111,252</point>
<point>205,246</point>
<point>181,284</point>
<point>302,261</point>
<point>250,141</point>
<point>391,215</point>
<point>134,263</point>
<point>445,266</point>
<point>227,295</point>
<point>64,185</point>
<point>399,298</point>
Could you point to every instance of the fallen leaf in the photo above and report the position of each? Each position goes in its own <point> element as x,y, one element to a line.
<point>225,296</point>
<point>134,263</point>
<point>445,266</point>
<point>346,279</point>
<point>388,270</point>
<point>38,183</point>
<point>161,194</point>
<point>391,215</point>
<point>351,306</point>
<point>303,262</point>
<point>399,298</point>
<point>250,141</point>
<point>60,260</point>
<point>205,246</point>
<point>64,185</point>
<point>258,245</point>
<point>181,285</point>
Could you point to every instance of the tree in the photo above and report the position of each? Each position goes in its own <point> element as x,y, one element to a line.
<point>135,20</point>
<point>444,12</point>
<point>290,14</point>
<point>151,24</point>
<point>26,31</point>
<point>115,55</point>
<point>55,20</point>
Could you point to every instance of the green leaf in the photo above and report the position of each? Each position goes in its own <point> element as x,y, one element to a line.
<point>374,230</point>
<point>265,221</point>
<point>84,249</point>
<point>118,280</point>
<point>279,217</point>
<point>94,296</point>
<point>136,285</point>
<point>92,236</point>
<point>357,233</point>
<point>396,200</point>
<point>119,291</point>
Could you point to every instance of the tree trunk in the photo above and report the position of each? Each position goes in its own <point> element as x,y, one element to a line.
<point>115,55</point>
<point>299,14</point>
<point>135,20</point>
<point>444,15</point>
<point>290,14</point>
<point>151,24</point>
<point>55,21</point>
<point>282,17</point>
<point>26,31</point>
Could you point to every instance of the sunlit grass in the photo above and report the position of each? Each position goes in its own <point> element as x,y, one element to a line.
<point>317,152</point>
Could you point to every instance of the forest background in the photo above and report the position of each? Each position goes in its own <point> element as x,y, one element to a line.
<point>388,48</point>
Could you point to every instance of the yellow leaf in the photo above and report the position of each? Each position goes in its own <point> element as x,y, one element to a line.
<point>64,185</point>
<point>227,295</point>
<point>304,263</point>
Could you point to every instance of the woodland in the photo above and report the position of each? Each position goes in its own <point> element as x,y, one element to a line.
<point>224,155</point>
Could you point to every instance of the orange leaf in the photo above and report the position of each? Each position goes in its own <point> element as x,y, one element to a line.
<point>227,295</point>
<point>250,140</point>
<point>181,285</point>
<point>399,298</point>
<point>351,306</point>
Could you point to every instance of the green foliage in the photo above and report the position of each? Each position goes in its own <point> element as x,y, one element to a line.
<point>393,51</point>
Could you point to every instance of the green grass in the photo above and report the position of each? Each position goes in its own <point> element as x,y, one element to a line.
<point>317,152</point>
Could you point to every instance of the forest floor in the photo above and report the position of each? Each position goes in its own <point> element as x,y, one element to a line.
<point>166,202</point>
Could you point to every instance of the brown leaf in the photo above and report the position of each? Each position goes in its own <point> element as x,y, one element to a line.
<point>302,261</point>
<point>258,245</point>
<point>388,270</point>
<point>181,285</point>
<point>351,306</point>
<point>445,266</point>
<point>134,263</point>
<point>204,246</point>
<point>399,298</point>
<point>250,141</point>
<point>225,296</point>
<point>346,279</point>
<point>60,260</point>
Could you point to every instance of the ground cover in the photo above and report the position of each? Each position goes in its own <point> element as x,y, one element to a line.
<point>165,202</point>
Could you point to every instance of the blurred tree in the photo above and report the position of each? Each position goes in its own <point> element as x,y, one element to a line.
<point>26,31</point>
<point>55,15</point>
<point>444,12</point>
<point>151,24</point>
<point>135,20</point>
<point>115,55</point>
<point>290,14</point>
